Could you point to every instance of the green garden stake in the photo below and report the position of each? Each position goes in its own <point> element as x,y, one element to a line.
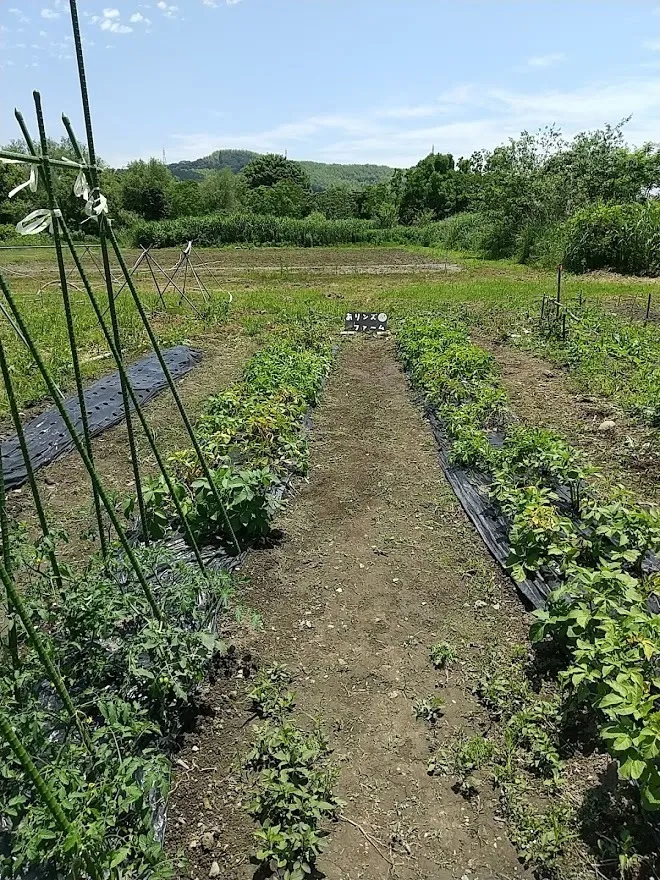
<point>52,204</point>
<point>133,396</point>
<point>123,376</point>
<point>81,451</point>
<point>32,481</point>
<point>559,268</point>
<point>12,635</point>
<point>36,642</point>
<point>161,360</point>
<point>93,177</point>
<point>44,791</point>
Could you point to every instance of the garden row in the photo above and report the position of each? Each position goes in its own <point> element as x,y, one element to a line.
<point>600,618</point>
<point>100,687</point>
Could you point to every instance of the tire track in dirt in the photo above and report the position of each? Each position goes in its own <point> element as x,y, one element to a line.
<point>378,562</point>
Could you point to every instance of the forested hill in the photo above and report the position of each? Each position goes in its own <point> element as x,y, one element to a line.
<point>322,174</point>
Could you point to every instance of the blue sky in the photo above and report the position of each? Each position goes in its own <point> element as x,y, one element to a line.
<point>333,80</point>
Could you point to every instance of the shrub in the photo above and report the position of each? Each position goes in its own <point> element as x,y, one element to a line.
<point>625,238</point>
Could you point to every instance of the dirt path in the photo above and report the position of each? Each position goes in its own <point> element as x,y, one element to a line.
<point>378,563</point>
<point>543,394</point>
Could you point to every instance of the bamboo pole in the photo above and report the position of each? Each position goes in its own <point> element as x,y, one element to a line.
<point>92,172</point>
<point>113,319</point>
<point>38,645</point>
<point>12,635</point>
<point>133,396</point>
<point>163,365</point>
<point>32,481</point>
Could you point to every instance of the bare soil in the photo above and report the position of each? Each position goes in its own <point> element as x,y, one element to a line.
<point>65,485</point>
<point>24,264</point>
<point>543,394</point>
<point>377,562</point>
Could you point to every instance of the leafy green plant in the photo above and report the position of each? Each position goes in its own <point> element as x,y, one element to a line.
<point>442,654</point>
<point>541,838</point>
<point>132,680</point>
<point>292,797</point>
<point>269,692</point>
<point>429,709</point>
<point>254,440</point>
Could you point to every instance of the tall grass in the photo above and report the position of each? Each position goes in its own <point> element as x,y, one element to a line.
<point>257,229</point>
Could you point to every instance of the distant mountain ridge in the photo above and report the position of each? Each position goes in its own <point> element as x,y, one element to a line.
<point>322,174</point>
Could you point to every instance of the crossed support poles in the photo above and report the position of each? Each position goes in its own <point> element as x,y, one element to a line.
<point>169,276</point>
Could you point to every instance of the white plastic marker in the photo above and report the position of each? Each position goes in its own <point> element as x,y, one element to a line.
<point>32,182</point>
<point>37,221</point>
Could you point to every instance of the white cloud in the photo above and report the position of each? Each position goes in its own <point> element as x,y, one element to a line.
<point>548,60</point>
<point>168,10</point>
<point>653,45</point>
<point>114,27</point>
<point>49,13</point>
<point>110,22</point>
<point>460,121</point>
<point>22,19</point>
<point>138,18</point>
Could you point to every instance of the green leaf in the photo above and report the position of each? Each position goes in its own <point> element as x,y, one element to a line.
<point>632,768</point>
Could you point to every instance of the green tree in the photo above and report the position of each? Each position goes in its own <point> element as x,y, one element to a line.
<point>433,189</point>
<point>146,189</point>
<point>336,203</point>
<point>271,169</point>
<point>222,191</point>
<point>284,199</point>
<point>373,201</point>
<point>184,199</point>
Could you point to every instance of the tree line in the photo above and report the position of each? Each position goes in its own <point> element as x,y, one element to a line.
<point>514,199</point>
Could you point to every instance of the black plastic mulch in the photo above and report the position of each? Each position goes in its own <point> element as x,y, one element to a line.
<point>47,436</point>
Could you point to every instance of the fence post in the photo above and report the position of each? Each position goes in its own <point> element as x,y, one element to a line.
<point>559,268</point>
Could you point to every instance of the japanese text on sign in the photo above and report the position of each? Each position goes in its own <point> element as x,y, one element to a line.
<point>365,322</point>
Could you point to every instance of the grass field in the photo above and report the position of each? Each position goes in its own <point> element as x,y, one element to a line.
<point>426,732</point>
<point>269,283</point>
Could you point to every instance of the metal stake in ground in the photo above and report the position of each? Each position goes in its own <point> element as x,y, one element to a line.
<point>12,635</point>
<point>559,271</point>
<point>46,661</point>
<point>92,171</point>
<point>45,793</point>
<point>93,177</point>
<point>163,364</point>
<point>134,398</point>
